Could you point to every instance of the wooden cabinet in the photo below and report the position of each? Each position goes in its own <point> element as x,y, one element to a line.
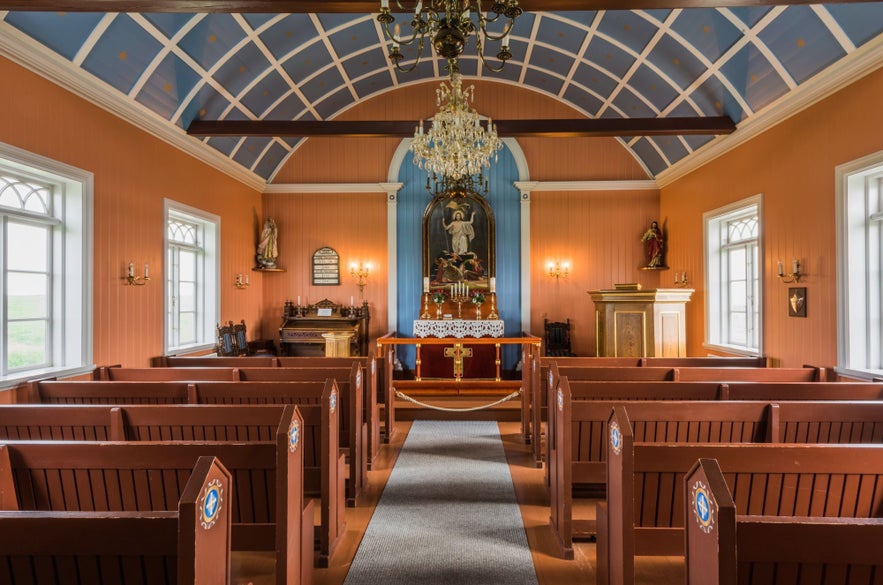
<point>641,323</point>
<point>303,329</point>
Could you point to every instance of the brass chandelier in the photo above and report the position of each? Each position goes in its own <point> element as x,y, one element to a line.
<point>449,24</point>
<point>456,147</point>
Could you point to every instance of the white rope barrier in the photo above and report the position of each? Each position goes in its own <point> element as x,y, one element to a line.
<point>404,396</point>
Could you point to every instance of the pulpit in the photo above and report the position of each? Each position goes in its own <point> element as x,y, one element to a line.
<point>459,359</point>
<point>630,322</point>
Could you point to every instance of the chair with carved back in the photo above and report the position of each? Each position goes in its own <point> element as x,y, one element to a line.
<point>226,340</point>
<point>556,338</point>
<point>245,347</point>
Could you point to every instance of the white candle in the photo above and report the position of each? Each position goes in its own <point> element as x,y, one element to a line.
<point>146,271</point>
<point>351,300</point>
<point>298,300</point>
<point>493,284</point>
<point>384,3</point>
<point>506,41</point>
<point>131,269</point>
<point>425,284</point>
<point>795,266</point>
<point>781,272</point>
<point>684,277</point>
<point>246,279</point>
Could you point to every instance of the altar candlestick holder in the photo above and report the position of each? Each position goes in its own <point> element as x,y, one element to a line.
<point>425,314</point>
<point>493,312</point>
<point>460,299</point>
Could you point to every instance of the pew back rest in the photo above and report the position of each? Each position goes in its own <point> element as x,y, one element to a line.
<point>703,374</point>
<point>118,374</point>
<point>23,422</point>
<point>776,391</point>
<point>89,392</point>
<point>830,422</point>
<point>215,361</point>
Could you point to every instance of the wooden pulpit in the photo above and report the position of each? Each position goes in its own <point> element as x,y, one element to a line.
<point>630,322</point>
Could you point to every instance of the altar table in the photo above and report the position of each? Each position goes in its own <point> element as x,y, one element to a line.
<point>458,359</point>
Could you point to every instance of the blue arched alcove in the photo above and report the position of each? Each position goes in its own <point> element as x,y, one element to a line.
<point>504,200</point>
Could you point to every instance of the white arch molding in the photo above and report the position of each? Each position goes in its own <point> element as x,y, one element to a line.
<point>392,177</point>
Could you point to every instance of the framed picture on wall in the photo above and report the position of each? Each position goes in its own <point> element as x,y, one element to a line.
<point>458,240</point>
<point>797,301</point>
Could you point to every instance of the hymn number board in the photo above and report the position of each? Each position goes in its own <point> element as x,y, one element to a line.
<point>326,267</point>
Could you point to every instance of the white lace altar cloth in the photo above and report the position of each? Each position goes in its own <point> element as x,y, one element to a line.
<point>458,328</point>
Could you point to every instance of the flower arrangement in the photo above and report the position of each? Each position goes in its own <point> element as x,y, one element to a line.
<point>439,296</point>
<point>478,297</point>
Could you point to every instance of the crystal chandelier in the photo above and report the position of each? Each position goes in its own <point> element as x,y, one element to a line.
<point>456,147</point>
<point>449,24</point>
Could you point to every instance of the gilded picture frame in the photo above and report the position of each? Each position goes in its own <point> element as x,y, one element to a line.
<point>797,301</point>
<point>458,241</point>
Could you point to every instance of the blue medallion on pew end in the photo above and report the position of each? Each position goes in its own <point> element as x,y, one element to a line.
<point>702,507</point>
<point>293,435</point>
<point>615,438</point>
<point>332,402</point>
<point>211,504</point>
<point>560,399</point>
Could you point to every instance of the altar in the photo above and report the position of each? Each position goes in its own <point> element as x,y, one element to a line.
<point>459,359</point>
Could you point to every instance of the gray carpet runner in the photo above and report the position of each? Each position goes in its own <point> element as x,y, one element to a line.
<point>448,514</point>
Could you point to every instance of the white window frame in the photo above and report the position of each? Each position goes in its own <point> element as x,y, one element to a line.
<point>859,217</point>
<point>716,313</point>
<point>208,297</point>
<point>70,311</point>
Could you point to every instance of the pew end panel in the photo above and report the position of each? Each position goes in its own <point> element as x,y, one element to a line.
<point>710,529</point>
<point>560,473</point>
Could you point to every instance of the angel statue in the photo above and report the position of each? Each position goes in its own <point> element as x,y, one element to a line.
<point>268,249</point>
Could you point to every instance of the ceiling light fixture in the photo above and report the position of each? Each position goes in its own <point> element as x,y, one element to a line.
<point>456,147</point>
<point>449,24</point>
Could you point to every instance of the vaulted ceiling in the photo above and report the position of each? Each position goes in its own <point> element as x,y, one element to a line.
<point>169,69</point>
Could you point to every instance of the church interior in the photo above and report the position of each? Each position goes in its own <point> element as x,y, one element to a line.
<point>632,135</point>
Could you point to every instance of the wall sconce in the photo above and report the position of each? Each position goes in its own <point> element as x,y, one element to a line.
<point>558,269</point>
<point>241,282</point>
<point>680,279</point>
<point>360,272</point>
<point>795,275</point>
<point>132,280</point>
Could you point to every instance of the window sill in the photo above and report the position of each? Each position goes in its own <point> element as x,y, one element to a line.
<point>17,379</point>
<point>862,375</point>
<point>732,349</point>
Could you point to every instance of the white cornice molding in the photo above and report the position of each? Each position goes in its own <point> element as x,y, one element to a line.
<point>863,61</point>
<point>25,51</point>
<point>638,185</point>
<point>332,188</point>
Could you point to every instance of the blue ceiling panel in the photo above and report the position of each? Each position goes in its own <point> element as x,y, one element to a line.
<point>212,39</point>
<point>860,22</point>
<point>270,161</point>
<point>750,16</point>
<point>594,79</point>
<point>469,66</point>
<point>714,100</point>
<point>629,28</point>
<point>696,142</point>
<point>292,141</point>
<point>306,62</point>
<point>753,76</point>
<point>802,43</point>
<point>122,54</point>
<point>676,61</point>
<point>608,57</point>
<point>63,32</point>
<point>631,105</point>
<point>561,34</point>
<point>653,87</point>
<point>355,38</point>
<point>543,81</point>
<point>256,21</point>
<point>224,144</point>
<point>250,150</point>
<point>659,14</point>
<point>424,70</point>
<point>364,63</point>
<point>169,23</point>
<point>323,83</point>
<point>373,83</point>
<point>511,72</point>
<point>292,32</point>
<point>328,107</point>
<point>649,156</point>
<point>707,30</point>
<point>241,69</point>
<point>582,99</point>
<point>671,146</point>
<point>168,86</point>
<point>207,105</point>
<point>330,22</point>
<point>288,109</point>
<point>552,60</point>
<point>262,96</point>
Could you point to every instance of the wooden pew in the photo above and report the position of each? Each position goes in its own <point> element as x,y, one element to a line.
<point>118,374</point>
<point>210,361</point>
<point>645,507</point>
<point>184,541</point>
<point>725,547</point>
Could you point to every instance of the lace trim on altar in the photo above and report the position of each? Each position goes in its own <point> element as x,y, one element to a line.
<point>458,328</point>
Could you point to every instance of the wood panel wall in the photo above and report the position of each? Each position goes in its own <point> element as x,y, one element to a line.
<point>792,165</point>
<point>133,172</point>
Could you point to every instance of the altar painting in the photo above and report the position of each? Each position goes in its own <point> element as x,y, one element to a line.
<point>458,241</point>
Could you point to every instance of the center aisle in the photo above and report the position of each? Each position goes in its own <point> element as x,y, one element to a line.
<point>448,514</point>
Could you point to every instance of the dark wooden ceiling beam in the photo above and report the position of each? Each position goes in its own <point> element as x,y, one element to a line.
<point>521,128</point>
<point>360,6</point>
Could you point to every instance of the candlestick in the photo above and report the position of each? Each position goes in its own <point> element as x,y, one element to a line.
<point>781,272</point>
<point>493,284</point>
<point>351,300</point>
<point>146,270</point>
<point>425,284</point>
<point>795,266</point>
<point>131,269</point>
<point>298,300</point>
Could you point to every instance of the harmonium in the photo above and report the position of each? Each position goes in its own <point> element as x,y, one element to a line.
<point>303,327</point>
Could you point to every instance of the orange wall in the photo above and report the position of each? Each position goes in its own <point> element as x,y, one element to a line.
<point>354,225</point>
<point>133,173</point>
<point>792,165</point>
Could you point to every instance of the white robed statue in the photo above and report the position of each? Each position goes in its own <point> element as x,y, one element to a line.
<point>268,248</point>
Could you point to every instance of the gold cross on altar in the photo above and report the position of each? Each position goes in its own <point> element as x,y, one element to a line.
<point>458,352</point>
